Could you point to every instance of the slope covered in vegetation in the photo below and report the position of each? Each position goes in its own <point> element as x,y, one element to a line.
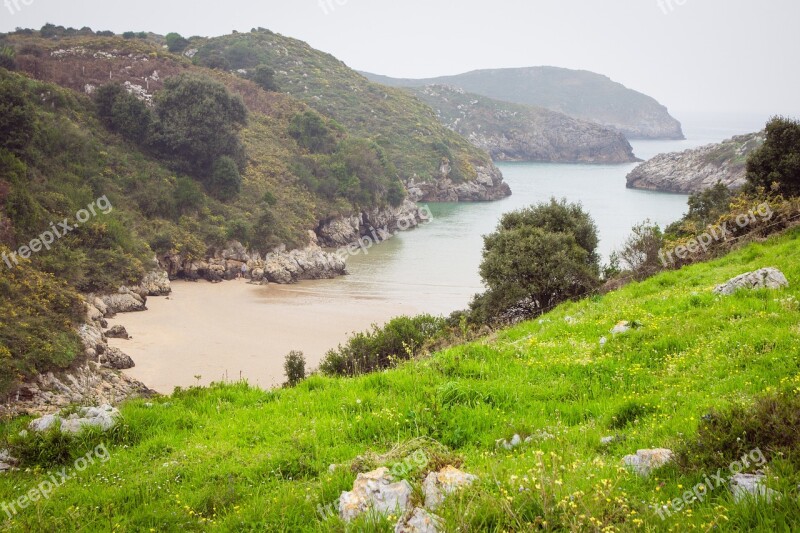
<point>236,458</point>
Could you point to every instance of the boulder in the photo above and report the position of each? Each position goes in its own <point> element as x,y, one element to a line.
<point>752,487</point>
<point>621,328</point>
<point>438,485</point>
<point>118,332</point>
<point>125,301</point>
<point>155,283</point>
<point>766,278</point>
<point>103,417</point>
<point>420,521</point>
<point>375,492</point>
<point>114,358</point>
<point>645,461</point>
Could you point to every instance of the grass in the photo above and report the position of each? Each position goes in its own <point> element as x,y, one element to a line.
<point>235,458</point>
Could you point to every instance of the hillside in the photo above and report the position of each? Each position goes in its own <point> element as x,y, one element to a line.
<point>236,458</point>
<point>434,162</point>
<point>512,132</point>
<point>577,93</point>
<point>695,170</point>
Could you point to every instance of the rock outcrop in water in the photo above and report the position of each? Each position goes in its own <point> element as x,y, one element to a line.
<point>695,170</point>
<point>514,132</point>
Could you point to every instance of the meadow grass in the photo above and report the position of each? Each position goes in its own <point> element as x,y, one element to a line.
<point>235,458</point>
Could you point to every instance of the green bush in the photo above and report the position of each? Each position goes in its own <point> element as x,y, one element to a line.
<point>311,132</point>
<point>17,117</point>
<point>175,43</point>
<point>537,258</point>
<point>295,368</point>
<point>771,424</point>
<point>226,182</point>
<point>775,166</point>
<point>198,123</point>
<point>401,339</point>
<point>264,76</point>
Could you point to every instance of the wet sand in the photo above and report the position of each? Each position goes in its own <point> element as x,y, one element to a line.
<point>234,330</point>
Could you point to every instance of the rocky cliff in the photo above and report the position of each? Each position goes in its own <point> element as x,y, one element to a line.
<point>577,93</point>
<point>513,132</point>
<point>694,170</point>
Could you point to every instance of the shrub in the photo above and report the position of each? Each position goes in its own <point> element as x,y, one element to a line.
<point>17,117</point>
<point>175,43</point>
<point>705,207</point>
<point>401,339</point>
<point>198,123</point>
<point>123,113</point>
<point>312,133</point>
<point>8,59</point>
<point>640,253</point>
<point>775,166</point>
<point>264,76</point>
<point>537,258</point>
<point>771,424</point>
<point>226,182</point>
<point>295,368</point>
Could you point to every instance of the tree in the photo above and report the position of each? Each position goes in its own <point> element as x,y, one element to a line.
<point>226,182</point>
<point>17,117</point>
<point>198,122</point>
<point>176,43</point>
<point>312,133</point>
<point>295,368</point>
<point>640,251</point>
<point>775,166</point>
<point>264,77</point>
<point>123,113</point>
<point>537,258</point>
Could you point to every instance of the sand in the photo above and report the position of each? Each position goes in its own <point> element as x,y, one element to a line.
<point>229,331</point>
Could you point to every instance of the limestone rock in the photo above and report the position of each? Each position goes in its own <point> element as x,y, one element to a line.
<point>699,169</point>
<point>420,521</point>
<point>117,332</point>
<point>103,417</point>
<point>116,359</point>
<point>645,461</point>
<point>752,487</point>
<point>621,328</point>
<point>766,278</point>
<point>125,301</point>
<point>375,492</point>
<point>438,485</point>
<point>155,283</point>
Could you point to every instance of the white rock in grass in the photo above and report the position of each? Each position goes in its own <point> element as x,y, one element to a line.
<point>375,491</point>
<point>752,487</point>
<point>420,521</point>
<point>766,278</point>
<point>516,440</point>
<point>438,485</point>
<point>103,417</point>
<point>622,327</point>
<point>645,461</point>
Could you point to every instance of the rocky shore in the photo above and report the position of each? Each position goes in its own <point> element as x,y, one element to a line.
<point>695,170</point>
<point>487,186</point>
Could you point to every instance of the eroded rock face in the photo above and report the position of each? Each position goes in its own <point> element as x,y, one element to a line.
<point>376,224</point>
<point>155,283</point>
<point>117,332</point>
<point>766,278</point>
<point>645,461</point>
<point>124,301</point>
<point>699,169</point>
<point>513,132</point>
<point>103,417</point>
<point>375,492</point>
<point>438,485</point>
<point>488,185</point>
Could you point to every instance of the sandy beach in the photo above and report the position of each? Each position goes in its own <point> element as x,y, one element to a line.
<point>207,332</point>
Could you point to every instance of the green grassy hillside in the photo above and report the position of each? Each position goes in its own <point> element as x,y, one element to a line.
<point>233,458</point>
<point>405,127</point>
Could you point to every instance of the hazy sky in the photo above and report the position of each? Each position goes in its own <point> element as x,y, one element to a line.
<point>692,55</point>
